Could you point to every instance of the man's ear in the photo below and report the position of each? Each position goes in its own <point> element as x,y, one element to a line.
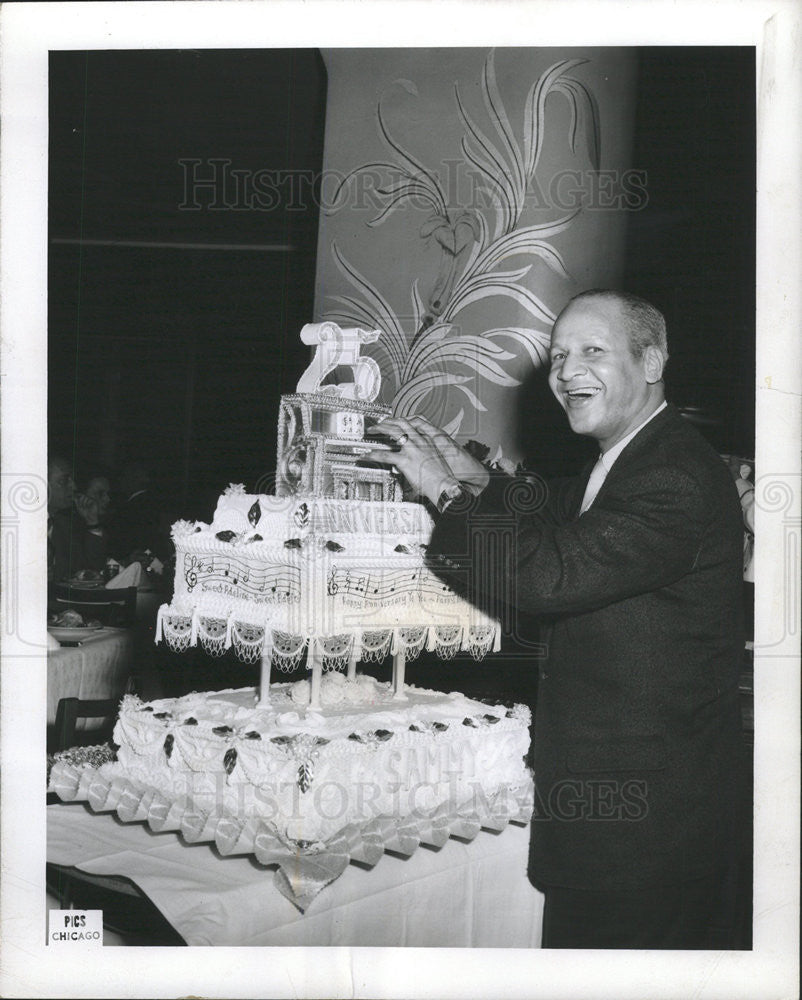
<point>653,364</point>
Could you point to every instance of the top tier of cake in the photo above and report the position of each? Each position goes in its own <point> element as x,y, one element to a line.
<point>334,564</point>
<point>320,445</point>
<point>321,427</point>
<point>277,571</point>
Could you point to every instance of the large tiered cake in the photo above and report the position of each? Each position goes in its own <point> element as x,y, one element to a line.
<point>336,765</point>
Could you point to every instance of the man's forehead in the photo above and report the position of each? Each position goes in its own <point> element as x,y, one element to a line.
<point>588,316</point>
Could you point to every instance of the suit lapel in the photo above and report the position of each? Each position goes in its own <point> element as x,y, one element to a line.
<point>581,486</point>
<point>642,442</point>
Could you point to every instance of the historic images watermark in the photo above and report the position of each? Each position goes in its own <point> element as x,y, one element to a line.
<point>216,184</point>
<point>332,802</point>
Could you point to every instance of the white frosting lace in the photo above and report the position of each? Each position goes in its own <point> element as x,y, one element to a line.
<point>180,630</point>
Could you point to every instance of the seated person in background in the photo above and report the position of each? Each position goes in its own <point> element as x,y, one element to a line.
<point>136,531</point>
<point>97,487</point>
<point>75,538</point>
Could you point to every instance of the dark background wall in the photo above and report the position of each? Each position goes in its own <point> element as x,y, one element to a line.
<point>173,329</point>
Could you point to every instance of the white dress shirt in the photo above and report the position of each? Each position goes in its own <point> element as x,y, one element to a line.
<point>607,459</point>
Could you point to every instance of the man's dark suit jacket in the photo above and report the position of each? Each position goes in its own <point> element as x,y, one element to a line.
<point>637,727</point>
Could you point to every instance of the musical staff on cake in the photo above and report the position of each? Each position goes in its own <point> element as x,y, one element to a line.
<point>383,585</point>
<point>237,577</point>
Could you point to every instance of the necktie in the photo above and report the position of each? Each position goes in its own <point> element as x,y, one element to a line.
<point>594,485</point>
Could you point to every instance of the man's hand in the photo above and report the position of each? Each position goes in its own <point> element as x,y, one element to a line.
<point>88,509</point>
<point>427,457</point>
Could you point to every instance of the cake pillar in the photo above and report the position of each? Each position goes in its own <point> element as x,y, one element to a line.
<point>399,666</point>
<point>264,680</point>
<point>314,662</point>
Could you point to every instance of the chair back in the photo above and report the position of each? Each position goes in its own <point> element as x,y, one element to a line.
<point>70,710</point>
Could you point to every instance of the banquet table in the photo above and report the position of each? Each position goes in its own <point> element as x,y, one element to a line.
<point>97,668</point>
<point>465,894</point>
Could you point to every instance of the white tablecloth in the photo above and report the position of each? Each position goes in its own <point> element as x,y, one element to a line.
<point>464,895</point>
<point>98,668</point>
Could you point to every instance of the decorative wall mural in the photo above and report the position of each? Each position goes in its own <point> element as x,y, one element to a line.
<point>428,351</point>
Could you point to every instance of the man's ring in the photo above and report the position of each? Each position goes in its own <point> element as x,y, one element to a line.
<point>402,440</point>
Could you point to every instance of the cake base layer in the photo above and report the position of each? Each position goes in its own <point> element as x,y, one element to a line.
<point>311,773</point>
<point>311,789</point>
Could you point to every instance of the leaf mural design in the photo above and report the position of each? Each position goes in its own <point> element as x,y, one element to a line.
<point>498,115</point>
<point>535,111</point>
<point>534,342</point>
<point>527,241</point>
<point>394,338</point>
<point>584,116</point>
<point>409,397</point>
<point>453,426</point>
<point>430,349</point>
<point>424,354</point>
<point>474,353</point>
<point>503,284</point>
<point>481,152</point>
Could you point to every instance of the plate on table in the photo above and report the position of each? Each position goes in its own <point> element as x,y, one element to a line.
<point>66,634</point>
<point>86,584</point>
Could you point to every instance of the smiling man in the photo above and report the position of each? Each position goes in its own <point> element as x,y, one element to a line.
<point>607,357</point>
<point>634,571</point>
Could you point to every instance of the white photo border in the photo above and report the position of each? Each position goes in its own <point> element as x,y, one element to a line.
<point>28,31</point>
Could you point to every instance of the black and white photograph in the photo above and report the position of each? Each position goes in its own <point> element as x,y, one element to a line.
<point>400,500</point>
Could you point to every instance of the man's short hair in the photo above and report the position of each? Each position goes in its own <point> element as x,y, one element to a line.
<point>645,325</point>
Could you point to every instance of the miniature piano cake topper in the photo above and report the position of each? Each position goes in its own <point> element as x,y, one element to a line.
<point>339,347</point>
<point>321,429</point>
